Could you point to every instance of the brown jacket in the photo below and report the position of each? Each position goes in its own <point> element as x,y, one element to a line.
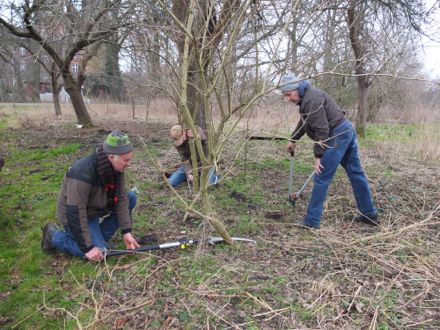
<point>83,197</point>
<point>319,115</point>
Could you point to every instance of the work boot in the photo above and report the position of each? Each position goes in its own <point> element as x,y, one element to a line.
<point>303,224</point>
<point>372,220</point>
<point>48,232</point>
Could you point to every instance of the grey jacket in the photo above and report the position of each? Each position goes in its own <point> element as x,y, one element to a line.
<point>83,197</point>
<point>319,115</point>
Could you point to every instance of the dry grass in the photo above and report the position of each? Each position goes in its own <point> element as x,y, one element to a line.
<point>345,276</point>
<point>420,143</point>
<point>414,112</point>
<point>275,117</point>
<point>159,111</point>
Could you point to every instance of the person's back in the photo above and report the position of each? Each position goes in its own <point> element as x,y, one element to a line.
<point>313,98</point>
<point>83,176</point>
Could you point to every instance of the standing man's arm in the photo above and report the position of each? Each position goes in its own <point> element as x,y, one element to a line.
<point>297,134</point>
<point>318,124</point>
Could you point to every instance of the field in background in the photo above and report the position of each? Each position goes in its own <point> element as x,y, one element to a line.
<point>275,118</point>
<point>268,116</point>
<point>344,276</point>
<point>271,114</point>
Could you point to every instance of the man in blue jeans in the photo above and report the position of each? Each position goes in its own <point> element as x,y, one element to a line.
<point>335,143</point>
<point>184,171</point>
<point>93,202</point>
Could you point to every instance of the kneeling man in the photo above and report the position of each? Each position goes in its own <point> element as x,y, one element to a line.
<point>93,202</point>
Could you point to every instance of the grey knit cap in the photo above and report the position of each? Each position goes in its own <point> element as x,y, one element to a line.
<point>289,83</point>
<point>117,143</point>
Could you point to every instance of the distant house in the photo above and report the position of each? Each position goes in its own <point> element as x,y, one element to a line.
<point>46,83</point>
<point>29,81</point>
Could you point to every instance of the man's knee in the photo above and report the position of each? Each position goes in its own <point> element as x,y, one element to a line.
<point>132,199</point>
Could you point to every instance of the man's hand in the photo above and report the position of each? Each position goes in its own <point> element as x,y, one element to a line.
<point>130,242</point>
<point>189,133</point>
<point>190,178</point>
<point>318,166</point>
<point>291,147</point>
<point>95,254</point>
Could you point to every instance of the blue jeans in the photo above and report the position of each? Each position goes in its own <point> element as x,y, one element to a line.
<point>179,176</point>
<point>342,150</point>
<point>101,233</point>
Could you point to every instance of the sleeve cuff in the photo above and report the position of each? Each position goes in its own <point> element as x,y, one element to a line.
<point>87,249</point>
<point>126,231</point>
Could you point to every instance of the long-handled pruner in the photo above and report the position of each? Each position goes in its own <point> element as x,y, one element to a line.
<point>182,244</point>
<point>294,196</point>
<point>189,187</point>
<point>291,178</point>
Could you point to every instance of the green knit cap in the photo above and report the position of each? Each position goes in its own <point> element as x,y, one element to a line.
<point>117,143</point>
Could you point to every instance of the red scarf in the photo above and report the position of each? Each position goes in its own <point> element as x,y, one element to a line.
<point>110,179</point>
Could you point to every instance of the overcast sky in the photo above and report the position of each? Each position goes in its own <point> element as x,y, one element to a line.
<point>430,55</point>
<point>430,52</point>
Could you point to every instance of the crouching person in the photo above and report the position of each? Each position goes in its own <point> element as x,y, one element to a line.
<point>184,172</point>
<point>93,202</point>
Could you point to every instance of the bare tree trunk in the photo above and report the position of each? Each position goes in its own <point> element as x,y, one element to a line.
<point>361,117</point>
<point>56,102</point>
<point>55,89</point>
<point>34,81</point>
<point>18,92</point>
<point>74,91</point>
<point>188,58</point>
<point>354,25</point>
<point>155,58</point>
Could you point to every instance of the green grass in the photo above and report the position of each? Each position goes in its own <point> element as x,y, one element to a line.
<point>29,191</point>
<point>182,284</point>
<point>389,307</point>
<point>391,132</point>
<point>30,183</point>
<point>304,314</point>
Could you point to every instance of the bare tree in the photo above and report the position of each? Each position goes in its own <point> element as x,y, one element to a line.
<point>13,68</point>
<point>69,28</point>
<point>365,19</point>
<point>219,71</point>
<point>352,41</point>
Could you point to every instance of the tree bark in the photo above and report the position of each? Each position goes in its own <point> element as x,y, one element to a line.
<point>354,25</point>
<point>18,91</point>
<point>55,89</point>
<point>56,102</point>
<point>74,91</point>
